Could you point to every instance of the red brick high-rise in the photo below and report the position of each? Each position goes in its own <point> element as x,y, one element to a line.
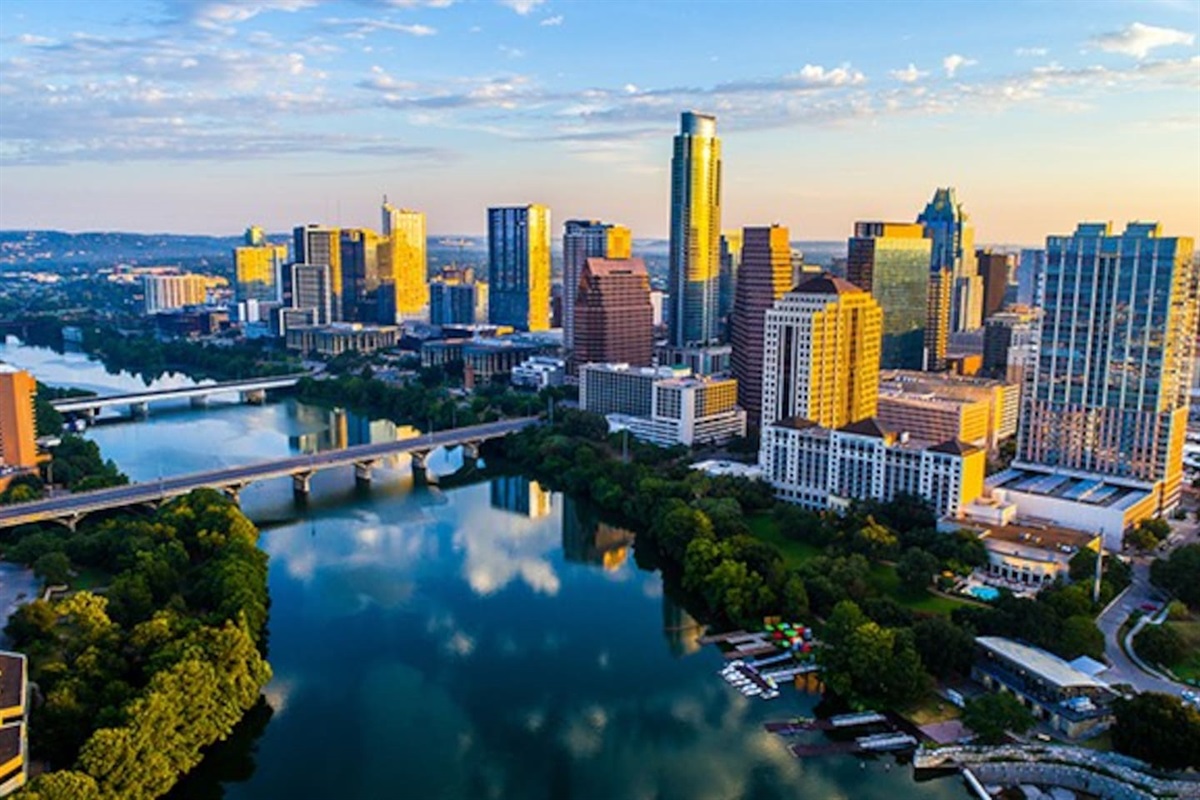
<point>613,316</point>
<point>764,276</point>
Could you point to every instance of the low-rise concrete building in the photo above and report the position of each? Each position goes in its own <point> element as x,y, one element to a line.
<point>1029,555</point>
<point>335,339</point>
<point>1070,701</point>
<point>932,405</point>
<point>540,372</point>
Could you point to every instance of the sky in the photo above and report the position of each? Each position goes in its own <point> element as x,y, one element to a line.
<point>204,116</point>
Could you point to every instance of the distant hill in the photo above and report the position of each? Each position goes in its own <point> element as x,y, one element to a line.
<point>24,249</point>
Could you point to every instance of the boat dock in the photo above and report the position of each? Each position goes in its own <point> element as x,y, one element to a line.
<point>839,723</point>
<point>876,743</point>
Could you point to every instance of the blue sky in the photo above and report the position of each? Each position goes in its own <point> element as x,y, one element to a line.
<point>206,115</point>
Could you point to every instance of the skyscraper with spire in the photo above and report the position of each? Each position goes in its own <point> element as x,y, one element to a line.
<point>695,232</point>
<point>953,239</point>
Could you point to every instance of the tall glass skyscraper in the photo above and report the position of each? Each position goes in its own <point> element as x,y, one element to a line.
<point>1109,393</point>
<point>954,250</point>
<point>695,232</point>
<point>519,267</point>
<point>403,264</point>
<point>891,261</point>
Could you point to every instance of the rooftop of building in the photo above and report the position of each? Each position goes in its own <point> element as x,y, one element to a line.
<point>12,680</point>
<point>1047,666</point>
<point>826,283</point>
<point>718,467</point>
<point>1037,535</point>
<point>694,381</point>
<point>915,381</point>
<point>871,428</point>
<point>663,372</point>
<point>604,267</point>
<point>1096,490</point>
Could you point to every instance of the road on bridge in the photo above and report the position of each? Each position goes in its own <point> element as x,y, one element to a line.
<point>66,506</point>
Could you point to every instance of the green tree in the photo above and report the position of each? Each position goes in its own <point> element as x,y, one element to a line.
<point>945,649</point>
<point>1177,574</point>
<point>53,568</point>
<point>1160,644</point>
<point>916,568</point>
<point>992,715</point>
<point>867,663</point>
<point>1140,539</point>
<point>1158,729</point>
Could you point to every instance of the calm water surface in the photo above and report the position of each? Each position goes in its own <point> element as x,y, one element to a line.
<point>489,641</point>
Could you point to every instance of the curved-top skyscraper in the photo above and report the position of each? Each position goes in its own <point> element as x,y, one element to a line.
<point>695,231</point>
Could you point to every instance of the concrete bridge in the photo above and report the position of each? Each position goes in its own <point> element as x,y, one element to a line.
<point>71,508</point>
<point>253,390</point>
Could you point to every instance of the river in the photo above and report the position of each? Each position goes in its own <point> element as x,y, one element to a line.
<point>493,641</point>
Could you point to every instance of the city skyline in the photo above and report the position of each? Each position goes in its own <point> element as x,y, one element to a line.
<point>122,115</point>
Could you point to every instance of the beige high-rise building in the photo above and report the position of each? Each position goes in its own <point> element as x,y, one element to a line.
<point>317,245</point>
<point>403,260</point>
<point>18,423</point>
<point>257,265</point>
<point>163,292</point>
<point>821,354</point>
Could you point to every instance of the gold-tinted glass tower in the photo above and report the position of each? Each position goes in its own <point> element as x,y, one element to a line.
<point>695,254</point>
<point>821,354</point>
<point>519,267</point>
<point>256,267</point>
<point>403,260</point>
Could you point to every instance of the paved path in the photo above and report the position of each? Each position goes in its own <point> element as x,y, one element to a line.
<point>1124,669</point>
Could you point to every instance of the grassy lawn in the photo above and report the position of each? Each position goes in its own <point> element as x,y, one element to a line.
<point>795,553</point>
<point>89,578</point>
<point>883,576</point>
<point>1189,668</point>
<point>932,708</point>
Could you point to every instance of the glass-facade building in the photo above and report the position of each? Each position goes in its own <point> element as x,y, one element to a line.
<point>953,240</point>
<point>891,261</point>
<point>519,267</point>
<point>695,232</point>
<point>1109,393</point>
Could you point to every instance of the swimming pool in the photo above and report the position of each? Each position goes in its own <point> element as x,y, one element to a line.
<point>987,593</point>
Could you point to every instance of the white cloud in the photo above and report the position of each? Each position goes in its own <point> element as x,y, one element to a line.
<point>223,14</point>
<point>1031,51</point>
<point>511,52</point>
<point>360,27</point>
<point>909,74</point>
<point>816,75</point>
<point>1138,40</point>
<point>954,62</point>
<point>548,22</point>
<point>522,7</point>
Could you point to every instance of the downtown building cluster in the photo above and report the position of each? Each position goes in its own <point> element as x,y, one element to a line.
<point>901,373</point>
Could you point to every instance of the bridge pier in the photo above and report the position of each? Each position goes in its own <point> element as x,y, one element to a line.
<point>301,484</point>
<point>199,401</point>
<point>234,492</point>
<point>137,410</point>
<point>362,471</point>
<point>254,397</point>
<point>71,521</point>
<point>470,452</point>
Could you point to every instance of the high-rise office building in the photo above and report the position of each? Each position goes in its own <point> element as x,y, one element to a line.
<point>404,262</point>
<point>993,271</point>
<point>164,292</point>
<point>613,317</point>
<point>584,239</point>
<point>1001,332</point>
<point>763,277</point>
<point>256,267</point>
<point>312,291</point>
<point>454,297</point>
<point>18,421</point>
<point>519,267</point>
<point>1109,394</point>
<point>359,255</point>
<point>1030,269</point>
<point>954,250</point>
<point>319,245</point>
<point>891,260</point>
<point>695,232</point>
<point>937,319</point>
<point>821,354</point>
<point>731,259</point>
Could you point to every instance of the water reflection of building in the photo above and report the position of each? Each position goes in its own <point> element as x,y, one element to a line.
<point>520,495</point>
<point>337,429</point>
<point>680,628</point>
<point>587,540</point>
